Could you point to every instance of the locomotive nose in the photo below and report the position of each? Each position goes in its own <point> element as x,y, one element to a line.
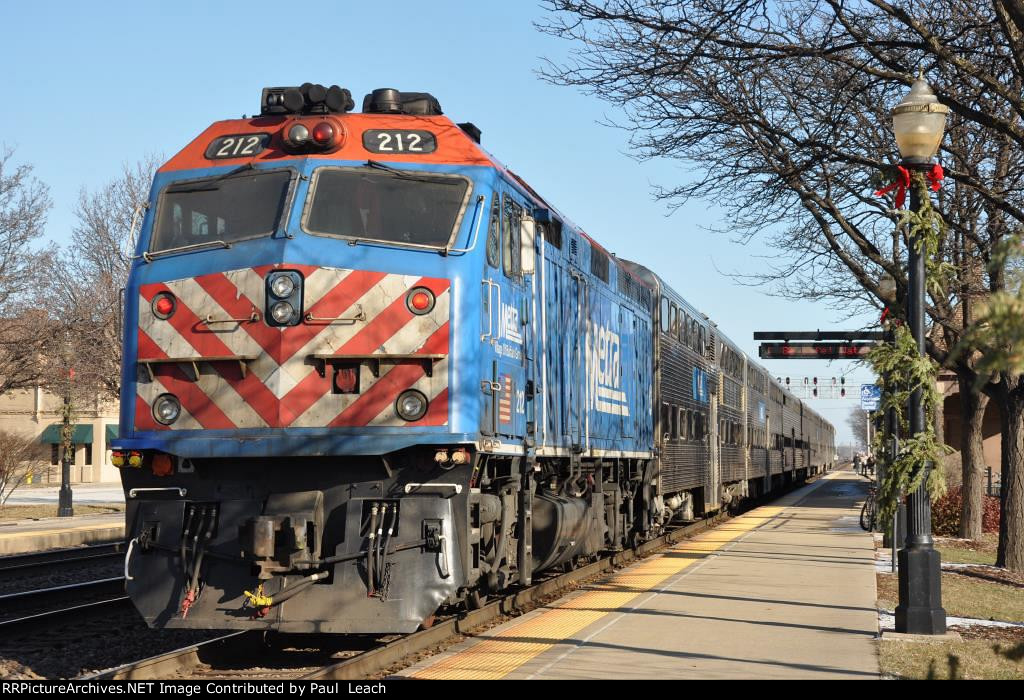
<point>295,346</point>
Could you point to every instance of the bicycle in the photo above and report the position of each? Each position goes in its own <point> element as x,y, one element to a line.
<point>869,511</point>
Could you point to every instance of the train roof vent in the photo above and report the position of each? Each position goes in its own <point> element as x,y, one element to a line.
<point>391,101</point>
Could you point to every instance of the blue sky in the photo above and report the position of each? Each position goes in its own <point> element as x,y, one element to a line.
<point>90,86</point>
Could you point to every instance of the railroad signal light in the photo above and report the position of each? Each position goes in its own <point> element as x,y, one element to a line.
<point>815,381</point>
<point>842,393</point>
<point>815,390</point>
<point>805,381</point>
<point>787,381</point>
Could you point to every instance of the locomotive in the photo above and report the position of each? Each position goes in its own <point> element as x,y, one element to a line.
<point>370,372</point>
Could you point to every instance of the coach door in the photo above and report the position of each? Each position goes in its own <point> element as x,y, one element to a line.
<point>711,497</point>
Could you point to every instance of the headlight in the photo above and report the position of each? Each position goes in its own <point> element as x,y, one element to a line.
<point>411,405</point>
<point>282,312</point>
<point>166,409</point>
<point>282,286</point>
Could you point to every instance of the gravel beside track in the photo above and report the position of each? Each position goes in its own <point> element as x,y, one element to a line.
<point>26,572</point>
<point>87,642</point>
<point>121,646</point>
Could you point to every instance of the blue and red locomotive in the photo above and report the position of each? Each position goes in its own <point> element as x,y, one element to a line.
<point>370,372</point>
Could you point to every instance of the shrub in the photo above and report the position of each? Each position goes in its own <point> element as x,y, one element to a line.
<point>946,513</point>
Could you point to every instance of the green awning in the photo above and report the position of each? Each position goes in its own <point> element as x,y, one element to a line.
<point>80,434</point>
<point>111,433</point>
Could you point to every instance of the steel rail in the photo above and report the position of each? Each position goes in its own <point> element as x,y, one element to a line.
<point>44,621</point>
<point>20,564</point>
<point>390,653</point>
<point>14,602</point>
<point>381,658</point>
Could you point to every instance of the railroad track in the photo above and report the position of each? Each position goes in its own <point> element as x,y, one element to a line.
<point>225,656</point>
<point>221,656</point>
<point>34,611</point>
<point>19,565</point>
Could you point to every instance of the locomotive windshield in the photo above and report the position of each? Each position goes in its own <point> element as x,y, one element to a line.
<point>225,209</point>
<point>393,206</point>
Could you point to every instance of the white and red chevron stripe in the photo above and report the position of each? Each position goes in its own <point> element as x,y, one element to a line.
<point>281,386</point>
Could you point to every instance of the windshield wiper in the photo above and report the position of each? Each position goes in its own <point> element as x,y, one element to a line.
<point>208,184</point>
<point>410,175</point>
<point>148,257</point>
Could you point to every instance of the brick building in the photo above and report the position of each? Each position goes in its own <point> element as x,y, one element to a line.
<point>36,413</point>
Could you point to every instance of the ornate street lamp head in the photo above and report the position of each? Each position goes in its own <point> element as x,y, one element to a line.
<point>887,287</point>
<point>918,123</point>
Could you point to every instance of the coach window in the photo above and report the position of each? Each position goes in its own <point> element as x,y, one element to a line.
<point>684,429</point>
<point>675,423</point>
<point>665,420</point>
<point>673,320</point>
<point>665,305</point>
<point>511,221</point>
<point>493,233</point>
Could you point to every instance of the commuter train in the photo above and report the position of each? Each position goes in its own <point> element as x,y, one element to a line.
<point>370,372</point>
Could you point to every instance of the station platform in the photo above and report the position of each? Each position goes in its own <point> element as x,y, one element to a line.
<point>784,591</point>
<point>22,536</point>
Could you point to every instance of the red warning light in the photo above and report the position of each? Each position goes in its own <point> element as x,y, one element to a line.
<point>323,134</point>
<point>163,306</point>
<point>420,301</point>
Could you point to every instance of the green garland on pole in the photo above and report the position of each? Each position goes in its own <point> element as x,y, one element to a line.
<point>908,370</point>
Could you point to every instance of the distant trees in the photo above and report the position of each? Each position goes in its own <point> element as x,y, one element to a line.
<point>60,310</point>
<point>89,276</point>
<point>857,422</point>
<point>24,332</point>
<point>782,109</point>
<point>20,457</point>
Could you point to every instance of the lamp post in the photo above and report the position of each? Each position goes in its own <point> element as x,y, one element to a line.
<point>918,123</point>
<point>65,507</point>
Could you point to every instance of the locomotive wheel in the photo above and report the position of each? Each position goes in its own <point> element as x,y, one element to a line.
<point>476,598</point>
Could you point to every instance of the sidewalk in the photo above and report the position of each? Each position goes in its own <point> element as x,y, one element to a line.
<point>32,495</point>
<point>784,591</point>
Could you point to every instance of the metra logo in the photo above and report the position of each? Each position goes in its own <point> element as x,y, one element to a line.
<point>604,371</point>
<point>510,329</point>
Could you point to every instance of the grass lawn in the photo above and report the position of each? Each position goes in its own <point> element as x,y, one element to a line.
<point>968,552</point>
<point>971,659</point>
<point>984,652</point>
<point>964,596</point>
<point>8,513</point>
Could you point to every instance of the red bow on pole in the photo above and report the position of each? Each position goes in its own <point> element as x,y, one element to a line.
<point>902,183</point>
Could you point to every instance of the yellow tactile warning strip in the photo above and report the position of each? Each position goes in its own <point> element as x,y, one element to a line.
<point>497,656</point>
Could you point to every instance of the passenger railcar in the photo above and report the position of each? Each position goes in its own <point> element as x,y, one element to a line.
<point>369,372</point>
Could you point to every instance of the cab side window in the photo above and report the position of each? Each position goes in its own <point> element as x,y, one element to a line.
<point>511,221</point>
<point>493,233</point>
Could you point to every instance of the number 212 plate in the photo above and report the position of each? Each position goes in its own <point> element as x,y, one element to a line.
<point>237,146</point>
